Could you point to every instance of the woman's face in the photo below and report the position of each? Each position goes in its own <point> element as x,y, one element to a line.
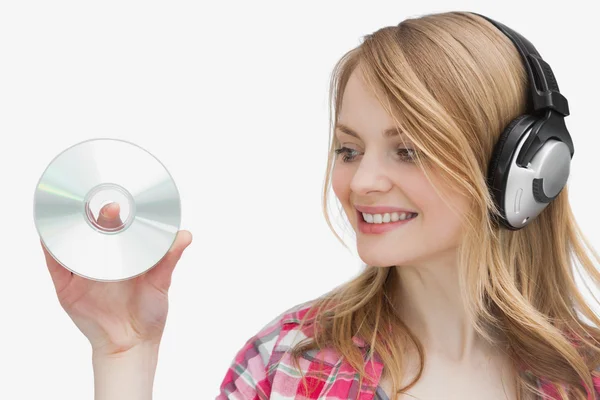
<point>378,172</point>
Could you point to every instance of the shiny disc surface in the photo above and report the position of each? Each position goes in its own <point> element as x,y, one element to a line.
<point>88,175</point>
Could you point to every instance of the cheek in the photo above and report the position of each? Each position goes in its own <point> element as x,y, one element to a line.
<point>442,224</point>
<point>340,182</point>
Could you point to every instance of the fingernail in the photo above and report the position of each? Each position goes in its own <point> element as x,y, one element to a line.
<point>105,210</point>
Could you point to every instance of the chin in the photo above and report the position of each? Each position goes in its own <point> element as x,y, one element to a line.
<point>374,258</point>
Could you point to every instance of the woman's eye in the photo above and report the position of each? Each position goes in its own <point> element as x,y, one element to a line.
<point>348,154</point>
<point>408,155</point>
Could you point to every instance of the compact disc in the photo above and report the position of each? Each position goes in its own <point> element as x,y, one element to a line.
<point>83,178</point>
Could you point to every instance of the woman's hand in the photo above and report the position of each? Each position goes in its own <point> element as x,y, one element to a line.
<point>118,316</point>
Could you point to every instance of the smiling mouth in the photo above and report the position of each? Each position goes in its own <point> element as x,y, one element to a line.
<point>386,217</point>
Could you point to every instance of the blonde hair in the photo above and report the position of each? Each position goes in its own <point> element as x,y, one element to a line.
<point>452,81</point>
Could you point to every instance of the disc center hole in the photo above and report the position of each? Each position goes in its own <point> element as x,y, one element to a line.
<point>102,212</point>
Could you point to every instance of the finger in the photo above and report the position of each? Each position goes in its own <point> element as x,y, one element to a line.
<point>160,275</point>
<point>59,274</point>
<point>109,216</point>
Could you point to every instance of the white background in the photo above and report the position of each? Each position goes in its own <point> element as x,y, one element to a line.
<point>232,98</point>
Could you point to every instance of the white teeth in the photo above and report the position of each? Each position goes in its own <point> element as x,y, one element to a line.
<point>387,217</point>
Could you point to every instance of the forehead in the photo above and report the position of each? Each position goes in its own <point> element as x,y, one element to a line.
<point>361,111</point>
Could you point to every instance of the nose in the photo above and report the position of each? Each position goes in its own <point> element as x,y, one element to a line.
<point>370,176</point>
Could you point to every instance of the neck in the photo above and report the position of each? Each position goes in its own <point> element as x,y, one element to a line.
<point>430,304</point>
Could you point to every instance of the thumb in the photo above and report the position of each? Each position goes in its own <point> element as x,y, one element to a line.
<point>160,275</point>
<point>109,216</point>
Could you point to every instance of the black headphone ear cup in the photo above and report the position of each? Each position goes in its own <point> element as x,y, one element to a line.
<point>499,147</point>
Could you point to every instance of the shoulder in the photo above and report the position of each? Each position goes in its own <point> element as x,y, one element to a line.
<point>254,366</point>
<point>281,333</point>
<point>264,367</point>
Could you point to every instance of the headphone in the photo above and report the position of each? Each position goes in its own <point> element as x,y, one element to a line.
<point>531,160</point>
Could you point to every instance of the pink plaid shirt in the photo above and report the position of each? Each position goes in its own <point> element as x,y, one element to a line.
<point>263,369</point>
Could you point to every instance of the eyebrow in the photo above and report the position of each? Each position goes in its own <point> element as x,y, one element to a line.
<point>388,133</point>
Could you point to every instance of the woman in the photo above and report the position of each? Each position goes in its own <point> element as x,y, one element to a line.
<point>417,110</point>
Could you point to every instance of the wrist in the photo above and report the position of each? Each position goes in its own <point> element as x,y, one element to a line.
<point>142,349</point>
<point>125,375</point>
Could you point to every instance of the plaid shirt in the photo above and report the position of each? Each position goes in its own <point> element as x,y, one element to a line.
<point>263,369</point>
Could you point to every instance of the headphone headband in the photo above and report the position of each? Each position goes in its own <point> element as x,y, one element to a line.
<point>545,94</point>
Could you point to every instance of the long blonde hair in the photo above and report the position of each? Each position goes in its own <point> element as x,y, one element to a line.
<point>452,81</point>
